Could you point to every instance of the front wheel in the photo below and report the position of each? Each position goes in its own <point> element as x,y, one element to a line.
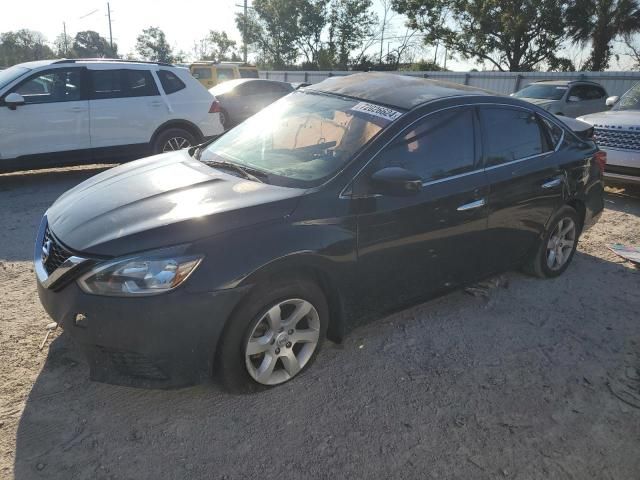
<point>274,335</point>
<point>558,245</point>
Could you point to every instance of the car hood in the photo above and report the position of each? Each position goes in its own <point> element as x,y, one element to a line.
<point>624,119</point>
<point>541,102</point>
<point>160,201</point>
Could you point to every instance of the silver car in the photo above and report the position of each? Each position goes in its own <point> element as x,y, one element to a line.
<point>568,98</point>
<point>617,132</point>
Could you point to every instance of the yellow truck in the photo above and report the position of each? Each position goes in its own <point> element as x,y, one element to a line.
<point>210,74</point>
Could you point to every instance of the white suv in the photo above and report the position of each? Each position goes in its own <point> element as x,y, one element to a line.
<point>61,112</point>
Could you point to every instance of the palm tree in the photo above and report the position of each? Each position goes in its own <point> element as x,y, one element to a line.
<point>600,22</point>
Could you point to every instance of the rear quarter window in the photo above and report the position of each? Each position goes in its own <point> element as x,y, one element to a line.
<point>170,82</point>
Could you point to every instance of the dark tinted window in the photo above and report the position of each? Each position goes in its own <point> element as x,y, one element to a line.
<point>509,134</point>
<point>595,93</point>
<point>121,84</point>
<point>439,146</point>
<point>553,131</point>
<point>59,85</point>
<point>170,81</point>
<point>580,91</point>
<point>248,73</point>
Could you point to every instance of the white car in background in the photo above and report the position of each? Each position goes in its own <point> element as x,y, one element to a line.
<point>62,112</point>
<point>568,98</point>
<point>617,132</point>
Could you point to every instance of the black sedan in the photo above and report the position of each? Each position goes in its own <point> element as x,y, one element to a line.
<point>241,98</point>
<point>332,206</point>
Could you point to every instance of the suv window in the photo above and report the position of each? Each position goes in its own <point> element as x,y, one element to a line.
<point>170,81</point>
<point>554,132</point>
<point>50,86</point>
<point>439,146</point>
<point>509,134</point>
<point>595,93</point>
<point>202,72</point>
<point>122,83</point>
<point>224,74</point>
<point>580,91</point>
<point>248,73</point>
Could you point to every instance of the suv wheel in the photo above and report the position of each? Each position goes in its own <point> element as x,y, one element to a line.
<point>173,139</point>
<point>273,336</point>
<point>558,245</point>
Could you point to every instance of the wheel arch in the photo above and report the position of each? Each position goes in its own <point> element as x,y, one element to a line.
<point>178,123</point>
<point>579,206</point>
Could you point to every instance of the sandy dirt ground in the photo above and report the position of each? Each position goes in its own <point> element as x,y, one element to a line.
<point>537,380</point>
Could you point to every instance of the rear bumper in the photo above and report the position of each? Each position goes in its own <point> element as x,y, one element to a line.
<point>163,341</point>
<point>623,166</point>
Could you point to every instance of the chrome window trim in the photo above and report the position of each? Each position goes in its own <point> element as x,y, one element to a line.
<point>71,263</point>
<point>342,194</point>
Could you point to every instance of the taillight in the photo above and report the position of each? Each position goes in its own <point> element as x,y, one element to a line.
<point>215,107</point>
<point>601,159</point>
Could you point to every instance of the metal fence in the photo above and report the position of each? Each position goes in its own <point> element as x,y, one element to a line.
<point>616,83</point>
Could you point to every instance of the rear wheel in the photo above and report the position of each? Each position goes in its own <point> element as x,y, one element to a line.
<point>274,335</point>
<point>173,139</point>
<point>558,245</point>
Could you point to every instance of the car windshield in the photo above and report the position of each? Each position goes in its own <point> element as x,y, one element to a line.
<point>302,139</point>
<point>10,74</point>
<point>630,100</point>
<point>542,92</point>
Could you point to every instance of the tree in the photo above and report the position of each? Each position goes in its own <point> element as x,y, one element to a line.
<point>600,22</point>
<point>351,22</point>
<point>23,46</point>
<point>508,34</point>
<point>89,44</point>
<point>312,23</point>
<point>217,47</point>
<point>152,45</point>
<point>63,46</point>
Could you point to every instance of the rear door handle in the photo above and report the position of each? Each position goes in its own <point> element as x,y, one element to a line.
<point>552,183</point>
<point>156,104</point>
<point>472,205</point>
<point>77,109</point>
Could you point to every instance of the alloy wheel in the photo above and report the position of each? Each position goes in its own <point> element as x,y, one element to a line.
<point>175,143</point>
<point>283,341</point>
<point>561,243</point>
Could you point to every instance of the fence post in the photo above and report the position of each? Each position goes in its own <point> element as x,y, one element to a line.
<point>267,74</point>
<point>425,75</point>
<point>517,85</point>
<point>466,78</point>
<point>285,76</point>
<point>330,74</point>
<point>306,76</point>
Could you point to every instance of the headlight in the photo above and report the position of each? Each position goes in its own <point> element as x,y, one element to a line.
<point>148,274</point>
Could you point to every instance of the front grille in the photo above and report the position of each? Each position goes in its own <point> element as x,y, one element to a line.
<point>134,365</point>
<point>620,139</point>
<point>57,253</point>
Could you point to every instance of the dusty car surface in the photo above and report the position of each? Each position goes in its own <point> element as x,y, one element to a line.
<point>566,98</point>
<point>331,206</point>
<point>617,132</point>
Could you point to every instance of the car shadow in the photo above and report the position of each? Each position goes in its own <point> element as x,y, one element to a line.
<point>25,196</point>
<point>72,428</point>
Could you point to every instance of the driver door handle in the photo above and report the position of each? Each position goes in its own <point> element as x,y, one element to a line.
<point>552,183</point>
<point>472,205</point>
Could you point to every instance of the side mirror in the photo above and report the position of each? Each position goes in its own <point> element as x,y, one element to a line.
<point>13,100</point>
<point>396,181</point>
<point>573,98</point>
<point>612,100</point>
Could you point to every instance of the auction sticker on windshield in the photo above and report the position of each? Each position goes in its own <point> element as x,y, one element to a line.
<point>376,111</point>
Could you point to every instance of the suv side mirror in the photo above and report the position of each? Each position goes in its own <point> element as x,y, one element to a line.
<point>612,100</point>
<point>573,98</point>
<point>396,181</point>
<point>13,100</point>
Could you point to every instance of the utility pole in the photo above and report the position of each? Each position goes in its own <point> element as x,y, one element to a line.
<point>110,33</point>
<point>384,24</point>
<point>66,46</point>
<point>244,34</point>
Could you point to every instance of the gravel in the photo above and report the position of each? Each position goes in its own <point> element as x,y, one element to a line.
<point>533,379</point>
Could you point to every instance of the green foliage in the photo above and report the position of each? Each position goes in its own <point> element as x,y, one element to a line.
<point>23,46</point>
<point>152,45</point>
<point>509,34</point>
<point>600,22</point>
<point>351,21</point>
<point>217,47</point>
<point>89,44</point>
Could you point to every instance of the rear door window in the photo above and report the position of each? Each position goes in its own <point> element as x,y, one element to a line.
<point>440,146</point>
<point>509,134</point>
<point>122,83</point>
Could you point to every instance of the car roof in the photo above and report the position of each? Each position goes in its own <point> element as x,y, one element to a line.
<point>115,62</point>
<point>395,90</point>
<point>565,82</point>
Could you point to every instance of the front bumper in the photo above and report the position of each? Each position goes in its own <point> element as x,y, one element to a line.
<point>623,166</point>
<point>162,341</point>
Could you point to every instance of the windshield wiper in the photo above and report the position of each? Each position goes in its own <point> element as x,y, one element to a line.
<point>246,172</point>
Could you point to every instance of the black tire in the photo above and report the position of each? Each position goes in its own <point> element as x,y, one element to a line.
<point>224,119</point>
<point>538,264</point>
<point>167,136</point>
<point>230,362</point>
